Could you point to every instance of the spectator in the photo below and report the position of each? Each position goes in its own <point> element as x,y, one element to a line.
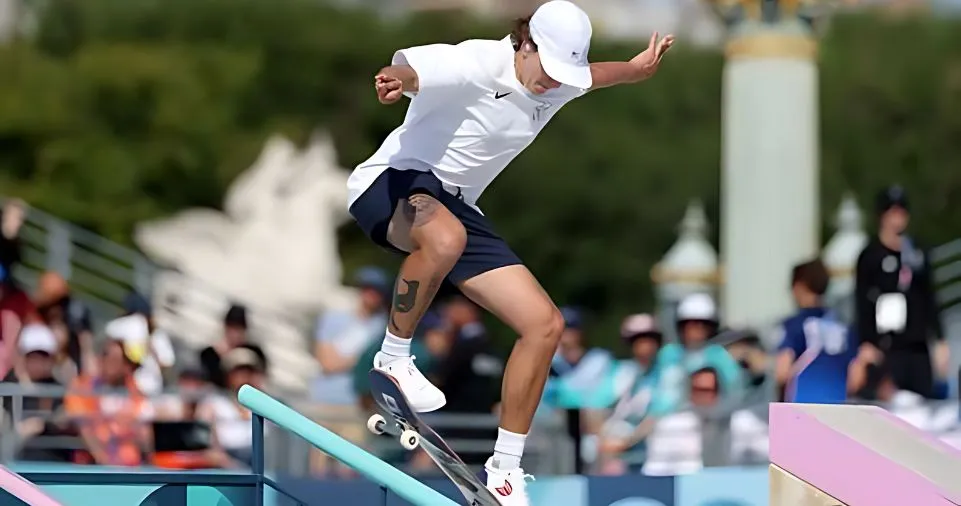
<point>342,337</point>
<point>151,345</point>
<point>235,335</point>
<point>40,415</point>
<point>191,387</point>
<point>575,383</point>
<point>622,445</point>
<point>181,439</point>
<point>469,373</point>
<point>16,310</point>
<point>70,321</point>
<point>464,366</point>
<point>697,322</point>
<point>11,221</point>
<point>644,339</point>
<point>894,291</point>
<point>816,349</point>
<point>581,370</point>
<point>744,346</point>
<point>340,341</point>
<point>675,446</point>
<point>111,412</point>
<point>223,411</point>
<point>464,317</point>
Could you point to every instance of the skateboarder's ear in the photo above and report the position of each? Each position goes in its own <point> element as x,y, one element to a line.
<point>521,35</point>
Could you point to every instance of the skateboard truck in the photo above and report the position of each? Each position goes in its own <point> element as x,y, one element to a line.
<point>409,439</point>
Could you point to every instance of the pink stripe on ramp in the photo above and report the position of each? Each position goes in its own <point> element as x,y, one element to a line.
<point>23,489</point>
<point>842,467</point>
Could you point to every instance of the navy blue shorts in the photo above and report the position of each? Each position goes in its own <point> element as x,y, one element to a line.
<point>485,250</point>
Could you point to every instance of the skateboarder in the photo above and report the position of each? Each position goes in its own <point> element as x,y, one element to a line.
<point>474,107</point>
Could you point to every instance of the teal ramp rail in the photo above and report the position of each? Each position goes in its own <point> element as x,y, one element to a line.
<point>265,407</point>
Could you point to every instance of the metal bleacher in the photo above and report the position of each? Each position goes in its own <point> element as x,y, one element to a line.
<point>102,272</point>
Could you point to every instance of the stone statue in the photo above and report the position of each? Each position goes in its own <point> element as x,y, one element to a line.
<point>273,249</point>
<point>274,246</point>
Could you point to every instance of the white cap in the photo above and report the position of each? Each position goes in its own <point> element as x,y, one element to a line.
<point>37,337</point>
<point>697,307</point>
<point>638,324</point>
<point>562,32</point>
<point>129,329</point>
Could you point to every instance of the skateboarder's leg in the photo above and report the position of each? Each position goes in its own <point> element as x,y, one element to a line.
<point>513,295</point>
<point>435,239</point>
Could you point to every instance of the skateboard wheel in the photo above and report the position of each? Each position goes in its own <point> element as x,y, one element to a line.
<point>376,424</point>
<point>409,439</point>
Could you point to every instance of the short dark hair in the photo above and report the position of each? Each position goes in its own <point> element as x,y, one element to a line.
<point>236,316</point>
<point>813,275</point>
<point>522,33</point>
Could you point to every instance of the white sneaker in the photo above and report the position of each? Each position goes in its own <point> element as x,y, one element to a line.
<point>510,487</point>
<point>422,395</point>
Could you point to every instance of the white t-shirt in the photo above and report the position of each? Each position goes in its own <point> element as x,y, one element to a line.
<point>675,446</point>
<point>469,119</point>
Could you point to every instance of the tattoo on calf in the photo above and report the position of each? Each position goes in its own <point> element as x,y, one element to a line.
<point>404,302</point>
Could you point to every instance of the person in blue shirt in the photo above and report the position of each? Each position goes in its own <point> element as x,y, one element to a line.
<point>816,348</point>
<point>578,371</point>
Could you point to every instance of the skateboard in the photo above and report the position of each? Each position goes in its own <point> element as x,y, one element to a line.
<point>399,419</point>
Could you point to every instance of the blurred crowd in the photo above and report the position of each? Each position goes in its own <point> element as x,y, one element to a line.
<point>691,392</point>
<point>119,396</point>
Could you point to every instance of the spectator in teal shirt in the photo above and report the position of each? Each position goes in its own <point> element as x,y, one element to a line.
<point>621,444</point>
<point>697,322</point>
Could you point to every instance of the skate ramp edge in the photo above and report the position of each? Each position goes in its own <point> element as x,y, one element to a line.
<point>364,463</point>
<point>18,486</point>
<point>861,456</point>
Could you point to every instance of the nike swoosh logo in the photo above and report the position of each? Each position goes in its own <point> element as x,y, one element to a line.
<point>499,95</point>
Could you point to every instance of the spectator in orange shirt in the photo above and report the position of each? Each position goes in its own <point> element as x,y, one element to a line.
<point>111,413</point>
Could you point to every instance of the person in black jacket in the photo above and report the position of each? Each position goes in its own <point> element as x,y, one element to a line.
<point>235,336</point>
<point>893,270</point>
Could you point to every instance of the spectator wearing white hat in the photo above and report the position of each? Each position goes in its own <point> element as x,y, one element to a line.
<point>37,347</point>
<point>150,345</point>
<point>229,419</point>
<point>697,322</point>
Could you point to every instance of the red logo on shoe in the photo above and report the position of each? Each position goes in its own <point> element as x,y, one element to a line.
<point>505,490</point>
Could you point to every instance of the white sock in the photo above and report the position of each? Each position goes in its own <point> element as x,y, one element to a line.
<point>395,346</point>
<point>508,450</point>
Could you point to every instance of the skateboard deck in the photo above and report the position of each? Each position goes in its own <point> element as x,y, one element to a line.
<point>400,418</point>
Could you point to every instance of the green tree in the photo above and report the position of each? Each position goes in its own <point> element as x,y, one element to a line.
<point>116,112</point>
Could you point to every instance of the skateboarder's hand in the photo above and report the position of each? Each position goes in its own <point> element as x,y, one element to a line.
<point>389,89</point>
<point>648,61</point>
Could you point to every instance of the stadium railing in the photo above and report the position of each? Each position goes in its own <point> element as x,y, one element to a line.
<point>550,449</point>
